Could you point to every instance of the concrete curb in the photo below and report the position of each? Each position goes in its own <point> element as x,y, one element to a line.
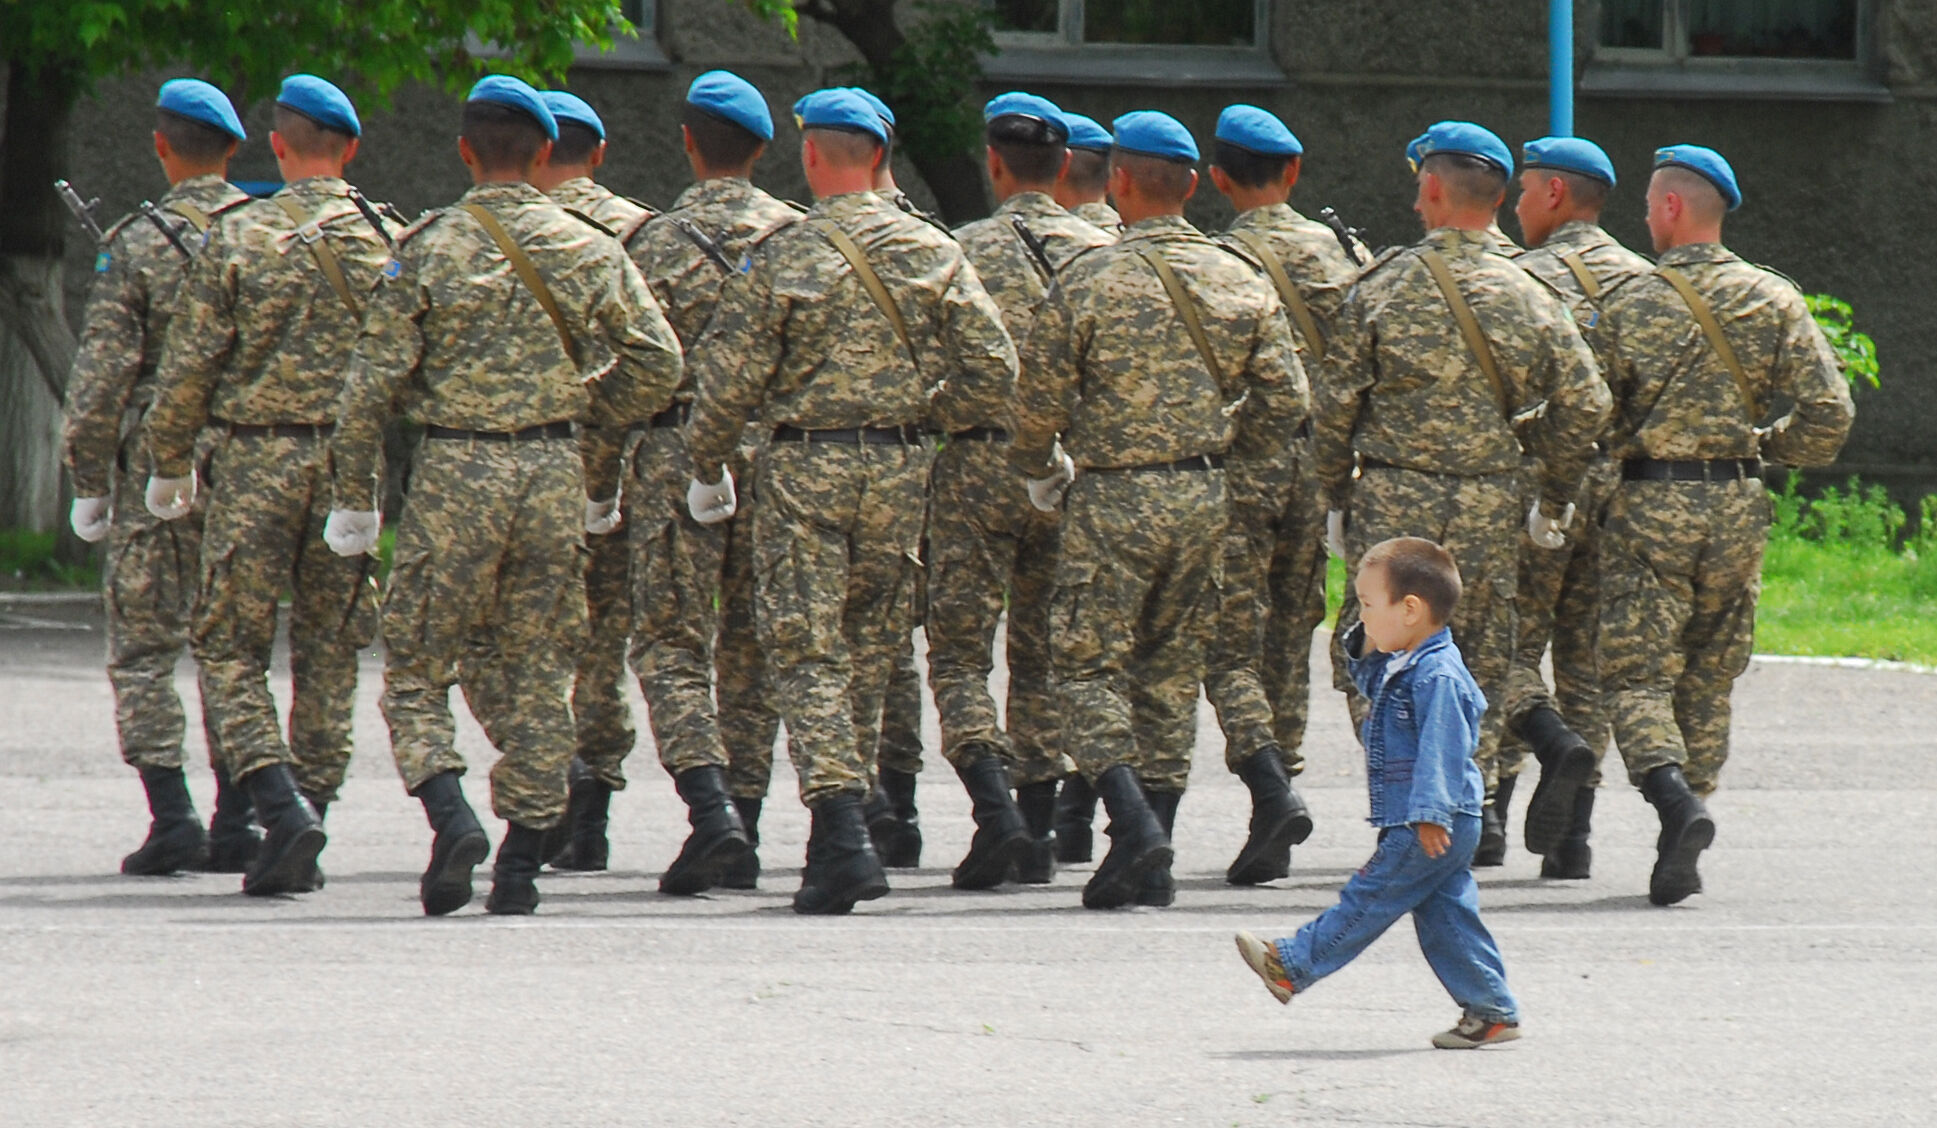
<point>50,598</point>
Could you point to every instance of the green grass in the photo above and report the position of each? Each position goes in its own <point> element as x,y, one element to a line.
<point>1847,601</point>
<point>27,563</point>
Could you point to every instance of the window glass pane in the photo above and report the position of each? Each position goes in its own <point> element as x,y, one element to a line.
<point>1025,15</point>
<point>1792,29</point>
<point>1206,23</point>
<point>1632,23</point>
<point>643,14</point>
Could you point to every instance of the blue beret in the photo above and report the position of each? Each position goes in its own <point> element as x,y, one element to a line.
<point>1258,131</point>
<point>1085,133</point>
<point>572,108</point>
<point>1708,163</point>
<point>198,101</point>
<point>505,90</point>
<point>1033,107</point>
<point>840,108</point>
<point>1153,133</point>
<point>729,97</point>
<point>1568,154</point>
<point>879,107</point>
<point>1461,137</point>
<point>321,102</point>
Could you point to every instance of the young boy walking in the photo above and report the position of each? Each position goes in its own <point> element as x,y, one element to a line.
<point>1426,791</point>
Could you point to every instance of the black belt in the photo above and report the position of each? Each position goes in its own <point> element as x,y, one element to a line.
<point>1690,469</point>
<point>981,435</point>
<point>280,430</point>
<point>1194,462</point>
<point>558,430</point>
<point>906,435</point>
<point>674,416</point>
<point>1366,463</point>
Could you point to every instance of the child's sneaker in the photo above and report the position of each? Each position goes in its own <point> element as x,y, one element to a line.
<point>1262,957</point>
<point>1473,1031</point>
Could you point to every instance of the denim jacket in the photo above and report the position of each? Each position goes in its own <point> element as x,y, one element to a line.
<point>1421,732</point>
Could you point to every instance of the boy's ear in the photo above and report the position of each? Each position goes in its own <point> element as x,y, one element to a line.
<point>1414,606</point>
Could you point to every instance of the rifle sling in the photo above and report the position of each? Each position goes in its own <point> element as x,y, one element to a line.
<point>1589,284</point>
<point>1301,312</point>
<point>1469,328</point>
<point>196,217</point>
<point>1705,317</point>
<point>522,264</point>
<point>856,258</point>
<point>319,248</point>
<point>1187,310</point>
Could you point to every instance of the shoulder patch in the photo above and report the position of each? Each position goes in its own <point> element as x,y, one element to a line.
<point>589,221</point>
<point>102,261</point>
<point>392,268</point>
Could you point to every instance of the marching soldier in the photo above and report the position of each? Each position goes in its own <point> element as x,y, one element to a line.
<point>1083,186</point>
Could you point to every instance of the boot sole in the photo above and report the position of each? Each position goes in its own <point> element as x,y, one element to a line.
<point>1550,813</point>
<point>1123,889</point>
<point>993,869</point>
<point>446,885</point>
<point>705,871</point>
<point>290,872</point>
<point>1675,878</point>
<point>190,859</point>
<point>871,890</point>
<point>1257,862</point>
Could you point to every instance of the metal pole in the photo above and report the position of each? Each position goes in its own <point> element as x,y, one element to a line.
<point>1560,68</point>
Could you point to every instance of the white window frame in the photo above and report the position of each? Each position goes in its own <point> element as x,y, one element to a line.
<point>1063,57</point>
<point>1672,70</point>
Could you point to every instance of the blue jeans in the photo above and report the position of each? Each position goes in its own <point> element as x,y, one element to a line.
<point>1445,906</point>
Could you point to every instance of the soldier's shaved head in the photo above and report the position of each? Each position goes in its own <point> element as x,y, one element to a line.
<point>1698,194</point>
<point>306,137</point>
<point>1161,180</point>
<point>1469,181</point>
<point>845,148</point>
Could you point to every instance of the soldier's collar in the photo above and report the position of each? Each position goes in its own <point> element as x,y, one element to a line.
<point>1267,216</point>
<point>1453,238</point>
<point>1028,203</point>
<point>503,190</point>
<point>1159,225</point>
<point>1697,252</point>
<point>1578,233</point>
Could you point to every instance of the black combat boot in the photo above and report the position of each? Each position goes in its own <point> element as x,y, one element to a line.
<point>176,840</point>
<point>1037,802</point>
<point>460,845</point>
<point>1279,820</point>
<point>718,839</point>
<point>314,881</point>
<point>1159,889</point>
<point>1075,812</point>
<point>1137,841</point>
<point>893,822</point>
<point>1001,839</point>
<point>584,846</point>
<point>1492,850</point>
<point>233,836</point>
<point>744,872</point>
<point>1686,830</point>
<point>295,834</point>
<point>1573,858</point>
<point>514,876</point>
<point>1565,764</point>
<point>842,867</point>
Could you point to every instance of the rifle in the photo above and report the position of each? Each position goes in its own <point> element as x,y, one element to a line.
<point>154,215</point>
<point>82,211</point>
<point>1345,234</point>
<point>1036,249</point>
<point>375,220</point>
<point>703,241</point>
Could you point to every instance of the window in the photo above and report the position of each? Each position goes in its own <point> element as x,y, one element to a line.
<point>643,52</point>
<point>1212,23</point>
<point>1802,49</point>
<point>1157,41</point>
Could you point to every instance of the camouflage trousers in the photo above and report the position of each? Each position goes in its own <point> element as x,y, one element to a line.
<point>1476,519</point>
<point>836,540</point>
<point>268,500</point>
<point>488,593</point>
<point>748,724</point>
<point>676,564</point>
<point>985,542</point>
<point>1136,594</point>
<point>1258,667</point>
<point>897,737</point>
<point>601,715</point>
<point>1559,601</point>
<point>148,589</point>
<point>1681,569</point>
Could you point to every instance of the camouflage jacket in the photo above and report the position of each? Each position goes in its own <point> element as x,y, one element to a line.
<point>1011,272</point>
<point>1675,398</point>
<point>797,336</point>
<point>137,273</point>
<point>598,203</point>
<point>1312,259</point>
<point>453,337</point>
<point>685,279</point>
<point>1111,365</point>
<point>1579,243</point>
<point>1403,387</point>
<point>1099,214</point>
<point>260,330</point>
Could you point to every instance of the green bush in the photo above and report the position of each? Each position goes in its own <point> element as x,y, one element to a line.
<point>27,560</point>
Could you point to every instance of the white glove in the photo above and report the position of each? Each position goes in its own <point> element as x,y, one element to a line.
<point>1046,494</point>
<point>601,517</point>
<point>711,504</point>
<point>169,498</point>
<point>352,532</point>
<point>90,517</point>
<point>1335,532</point>
<point>1545,531</point>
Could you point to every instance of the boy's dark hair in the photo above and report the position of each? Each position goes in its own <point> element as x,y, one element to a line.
<point>504,139</point>
<point>1246,168</point>
<point>575,143</point>
<point>1089,171</point>
<point>721,144</point>
<point>193,141</point>
<point>1469,180</point>
<point>307,137</point>
<point>1416,566</point>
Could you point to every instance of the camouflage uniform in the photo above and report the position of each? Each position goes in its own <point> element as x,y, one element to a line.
<point>488,588</point>
<point>838,524</point>
<point>1438,456</point>
<point>1099,215</point>
<point>600,711</point>
<point>151,567</point>
<point>255,351</point>
<point>985,539</point>
<point>1681,561</point>
<point>1558,598</point>
<point>1259,663</point>
<point>1110,365</point>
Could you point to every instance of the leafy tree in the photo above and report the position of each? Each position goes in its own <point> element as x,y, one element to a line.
<point>1854,349</point>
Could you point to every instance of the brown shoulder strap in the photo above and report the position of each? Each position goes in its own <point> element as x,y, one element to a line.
<point>1705,317</point>
<point>1301,312</point>
<point>1469,328</point>
<point>319,247</point>
<point>856,258</point>
<point>521,262</point>
<point>1193,323</point>
<point>196,217</point>
<point>1589,284</point>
